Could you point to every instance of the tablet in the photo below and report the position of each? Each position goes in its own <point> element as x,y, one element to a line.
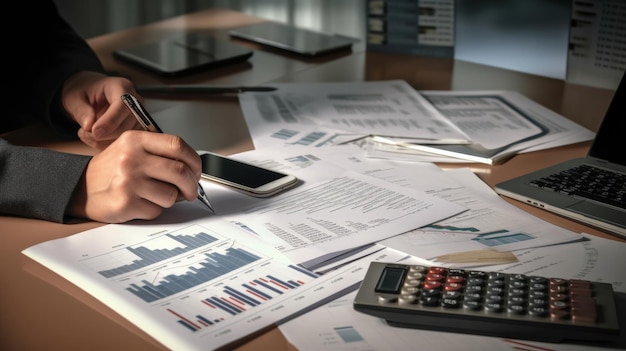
<point>187,54</point>
<point>293,39</point>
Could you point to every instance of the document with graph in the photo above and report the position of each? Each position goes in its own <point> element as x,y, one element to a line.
<point>194,285</point>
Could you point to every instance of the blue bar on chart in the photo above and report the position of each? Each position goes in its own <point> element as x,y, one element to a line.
<point>215,265</point>
<point>500,237</point>
<point>148,257</point>
<point>233,301</point>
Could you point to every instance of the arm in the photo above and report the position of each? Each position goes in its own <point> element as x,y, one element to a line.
<point>37,182</point>
<point>59,79</point>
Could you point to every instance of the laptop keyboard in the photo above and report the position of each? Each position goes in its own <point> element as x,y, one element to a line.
<point>588,182</point>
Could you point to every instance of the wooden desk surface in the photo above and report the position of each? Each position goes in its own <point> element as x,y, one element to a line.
<point>41,311</point>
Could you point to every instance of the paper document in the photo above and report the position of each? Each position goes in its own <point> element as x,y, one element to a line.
<point>336,209</point>
<point>336,326</point>
<point>490,224</point>
<point>196,283</point>
<point>474,126</point>
<point>500,124</point>
<point>391,108</point>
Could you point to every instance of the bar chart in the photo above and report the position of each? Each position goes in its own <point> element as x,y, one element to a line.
<point>200,277</point>
<point>202,284</point>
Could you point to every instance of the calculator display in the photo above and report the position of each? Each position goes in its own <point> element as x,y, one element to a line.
<point>390,280</point>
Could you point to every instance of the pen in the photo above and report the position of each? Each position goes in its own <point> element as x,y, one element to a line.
<point>199,88</point>
<point>148,123</point>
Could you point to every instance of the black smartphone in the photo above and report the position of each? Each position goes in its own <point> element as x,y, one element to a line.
<point>293,39</point>
<point>188,54</point>
<point>248,178</point>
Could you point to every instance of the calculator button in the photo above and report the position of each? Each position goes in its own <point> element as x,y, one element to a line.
<point>407,298</point>
<point>518,309</point>
<point>559,305</point>
<point>495,290</point>
<point>455,271</point>
<point>477,274</point>
<point>559,315</point>
<point>474,288</point>
<point>430,300</point>
<point>415,275</point>
<point>432,284</point>
<point>473,296</point>
<point>538,311</point>
<point>410,290</point>
<point>538,280</point>
<point>559,297</point>
<point>387,298</point>
<point>455,279</point>
<point>437,270</point>
<point>494,307</point>
<point>420,269</point>
<point>518,292</point>
<point>450,303</point>
<point>516,300</point>
<point>575,308</point>
<point>435,277</point>
<point>496,275</point>
<point>495,282</point>
<point>517,284</point>
<point>412,282</point>
<point>453,287</point>
<point>473,305</point>
<point>538,294</point>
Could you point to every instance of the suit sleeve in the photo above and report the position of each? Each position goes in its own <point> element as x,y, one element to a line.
<point>37,182</point>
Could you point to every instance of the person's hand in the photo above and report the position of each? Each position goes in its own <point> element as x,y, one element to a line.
<point>93,100</point>
<point>136,177</point>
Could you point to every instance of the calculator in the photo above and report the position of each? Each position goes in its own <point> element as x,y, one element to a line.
<point>489,303</point>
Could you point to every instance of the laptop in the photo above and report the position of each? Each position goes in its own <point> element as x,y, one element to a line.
<point>598,202</point>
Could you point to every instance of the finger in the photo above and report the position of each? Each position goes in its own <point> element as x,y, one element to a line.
<point>175,148</point>
<point>161,193</point>
<point>83,113</point>
<point>169,179</point>
<point>114,121</point>
<point>88,139</point>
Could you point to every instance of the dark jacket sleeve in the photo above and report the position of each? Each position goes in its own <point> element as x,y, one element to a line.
<point>41,59</point>
<point>36,182</point>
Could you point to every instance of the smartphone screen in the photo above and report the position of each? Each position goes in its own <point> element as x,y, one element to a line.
<point>253,179</point>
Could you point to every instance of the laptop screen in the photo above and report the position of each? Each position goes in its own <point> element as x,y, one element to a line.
<point>609,143</point>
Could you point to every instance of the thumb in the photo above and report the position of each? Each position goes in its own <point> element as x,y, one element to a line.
<point>84,115</point>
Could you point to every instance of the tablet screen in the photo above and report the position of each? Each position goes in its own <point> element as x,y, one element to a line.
<point>293,39</point>
<point>187,54</point>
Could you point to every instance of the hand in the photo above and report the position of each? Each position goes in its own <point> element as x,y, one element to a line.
<point>93,100</point>
<point>136,177</point>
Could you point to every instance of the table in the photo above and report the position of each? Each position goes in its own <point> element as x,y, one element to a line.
<point>41,311</point>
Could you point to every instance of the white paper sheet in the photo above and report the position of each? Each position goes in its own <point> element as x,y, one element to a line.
<point>335,208</point>
<point>336,326</point>
<point>193,282</point>
<point>490,224</point>
<point>391,108</point>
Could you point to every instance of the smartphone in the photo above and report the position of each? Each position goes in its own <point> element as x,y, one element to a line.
<point>248,178</point>
<point>293,39</point>
<point>184,55</point>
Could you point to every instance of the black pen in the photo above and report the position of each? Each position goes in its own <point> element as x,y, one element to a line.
<point>148,123</point>
<point>199,89</point>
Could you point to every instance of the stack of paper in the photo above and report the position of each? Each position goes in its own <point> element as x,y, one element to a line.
<point>436,126</point>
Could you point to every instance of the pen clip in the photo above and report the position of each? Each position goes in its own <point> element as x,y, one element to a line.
<point>140,113</point>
